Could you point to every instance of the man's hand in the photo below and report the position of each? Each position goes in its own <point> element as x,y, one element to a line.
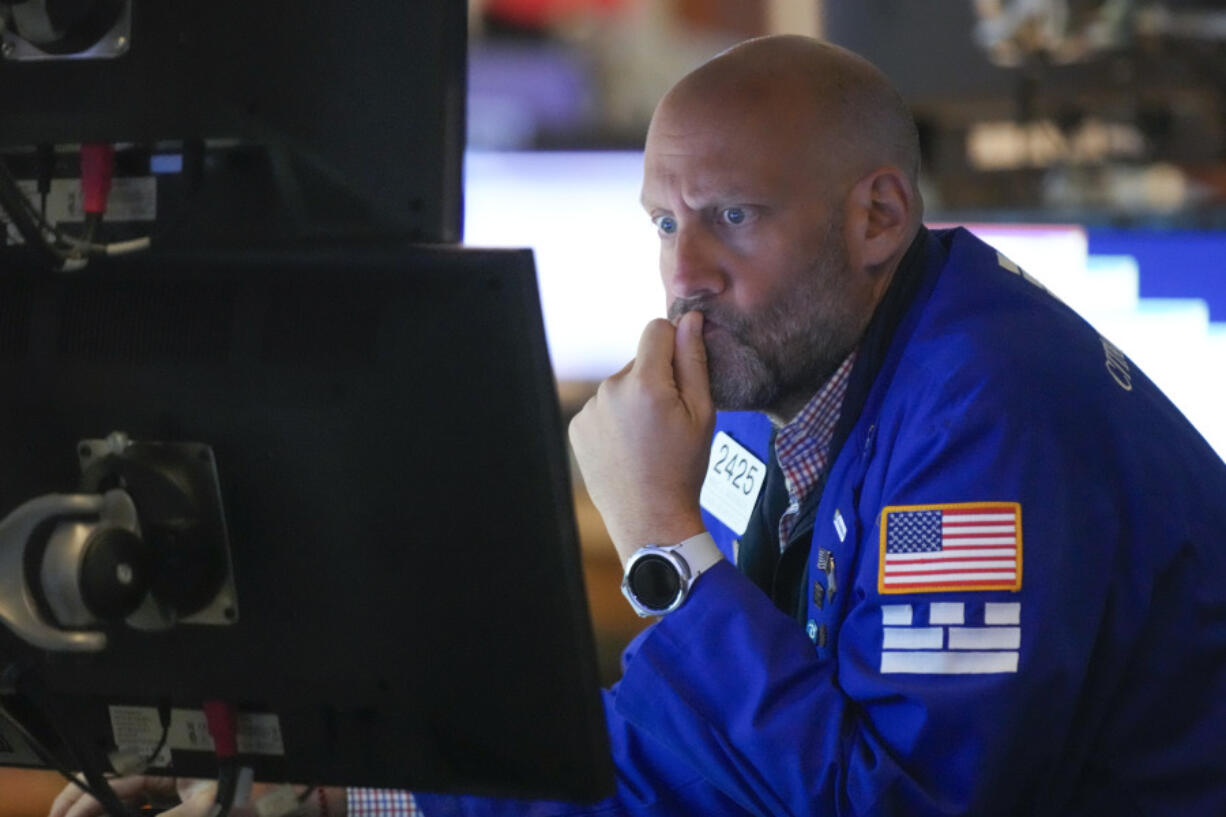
<point>132,791</point>
<point>196,798</point>
<point>643,441</point>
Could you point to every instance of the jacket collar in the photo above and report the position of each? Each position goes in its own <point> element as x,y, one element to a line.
<point>879,335</point>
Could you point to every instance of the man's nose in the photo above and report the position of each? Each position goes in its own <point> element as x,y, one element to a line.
<point>692,266</point>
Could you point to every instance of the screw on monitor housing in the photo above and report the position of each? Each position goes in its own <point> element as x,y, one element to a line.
<point>117,442</point>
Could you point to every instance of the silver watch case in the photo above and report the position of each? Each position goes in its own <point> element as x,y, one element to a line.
<point>664,556</point>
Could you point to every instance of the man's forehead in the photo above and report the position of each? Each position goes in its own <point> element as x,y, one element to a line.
<point>700,181</point>
<point>716,163</point>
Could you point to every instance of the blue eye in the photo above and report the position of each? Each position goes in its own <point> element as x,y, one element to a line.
<point>734,215</point>
<point>665,224</point>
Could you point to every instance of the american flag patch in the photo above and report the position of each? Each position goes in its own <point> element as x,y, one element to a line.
<point>963,546</point>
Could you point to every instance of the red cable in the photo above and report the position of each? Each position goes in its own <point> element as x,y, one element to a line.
<point>97,171</point>
<point>222,719</point>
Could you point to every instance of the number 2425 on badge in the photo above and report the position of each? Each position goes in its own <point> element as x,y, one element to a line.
<point>734,479</point>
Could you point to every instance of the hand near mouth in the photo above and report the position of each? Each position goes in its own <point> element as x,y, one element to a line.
<point>642,441</point>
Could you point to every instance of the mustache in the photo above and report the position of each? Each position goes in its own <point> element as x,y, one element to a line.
<point>710,314</point>
<point>680,307</point>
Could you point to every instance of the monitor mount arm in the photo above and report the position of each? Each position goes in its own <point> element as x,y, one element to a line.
<point>73,563</point>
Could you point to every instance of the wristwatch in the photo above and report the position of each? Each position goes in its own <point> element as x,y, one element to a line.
<point>659,577</point>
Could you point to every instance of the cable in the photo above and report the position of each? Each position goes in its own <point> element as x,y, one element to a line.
<point>164,717</point>
<point>53,247</point>
<point>222,720</point>
<point>46,169</point>
<point>95,783</point>
<point>102,791</point>
<point>19,210</point>
<point>43,754</point>
<point>227,787</point>
<point>96,788</point>
<point>127,762</point>
<point>97,175</point>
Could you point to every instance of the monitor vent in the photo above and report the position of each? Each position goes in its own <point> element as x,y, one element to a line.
<point>147,322</point>
<point>15,303</point>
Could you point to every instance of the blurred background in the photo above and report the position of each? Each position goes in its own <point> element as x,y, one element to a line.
<point>1086,139</point>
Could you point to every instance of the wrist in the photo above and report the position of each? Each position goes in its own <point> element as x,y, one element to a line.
<point>666,532</point>
<point>328,801</point>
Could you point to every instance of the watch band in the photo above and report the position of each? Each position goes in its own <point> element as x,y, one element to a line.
<point>700,553</point>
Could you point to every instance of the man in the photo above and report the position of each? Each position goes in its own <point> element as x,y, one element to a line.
<point>982,559</point>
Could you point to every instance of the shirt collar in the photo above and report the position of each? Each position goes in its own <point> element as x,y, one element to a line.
<point>802,446</point>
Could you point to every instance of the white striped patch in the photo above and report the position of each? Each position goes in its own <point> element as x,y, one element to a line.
<point>895,614</point>
<point>1006,613</point>
<point>948,663</point>
<point>913,638</point>
<point>985,638</point>
<point>946,612</point>
<point>949,644</point>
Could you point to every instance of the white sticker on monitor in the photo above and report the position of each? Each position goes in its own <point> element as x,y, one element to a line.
<point>734,480</point>
<point>138,726</point>
<point>132,198</point>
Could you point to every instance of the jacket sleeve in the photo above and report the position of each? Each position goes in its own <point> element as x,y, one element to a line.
<point>736,690</point>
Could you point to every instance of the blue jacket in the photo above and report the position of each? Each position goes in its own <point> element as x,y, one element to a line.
<point>1018,583</point>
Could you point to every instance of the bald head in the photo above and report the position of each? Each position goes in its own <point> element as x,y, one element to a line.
<point>837,104</point>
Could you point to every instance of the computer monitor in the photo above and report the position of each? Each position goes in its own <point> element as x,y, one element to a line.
<point>355,111</point>
<point>401,602</point>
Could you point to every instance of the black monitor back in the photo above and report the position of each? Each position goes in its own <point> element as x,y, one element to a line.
<point>395,484</point>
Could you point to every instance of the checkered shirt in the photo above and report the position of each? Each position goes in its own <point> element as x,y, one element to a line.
<point>803,445</point>
<point>380,803</point>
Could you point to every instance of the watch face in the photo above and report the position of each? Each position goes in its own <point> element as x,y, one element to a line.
<point>655,582</point>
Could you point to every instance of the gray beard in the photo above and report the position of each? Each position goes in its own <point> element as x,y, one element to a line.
<point>775,360</point>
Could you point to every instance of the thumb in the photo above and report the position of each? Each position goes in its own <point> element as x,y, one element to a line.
<point>690,364</point>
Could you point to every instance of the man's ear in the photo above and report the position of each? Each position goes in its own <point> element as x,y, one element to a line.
<point>879,217</point>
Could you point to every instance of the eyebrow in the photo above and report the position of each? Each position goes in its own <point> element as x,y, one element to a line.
<point>733,194</point>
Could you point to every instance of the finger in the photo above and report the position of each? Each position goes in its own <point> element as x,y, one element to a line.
<point>65,799</point>
<point>84,806</point>
<point>198,799</point>
<point>654,358</point>
<point>690,364</point>
<point>81,804</point>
